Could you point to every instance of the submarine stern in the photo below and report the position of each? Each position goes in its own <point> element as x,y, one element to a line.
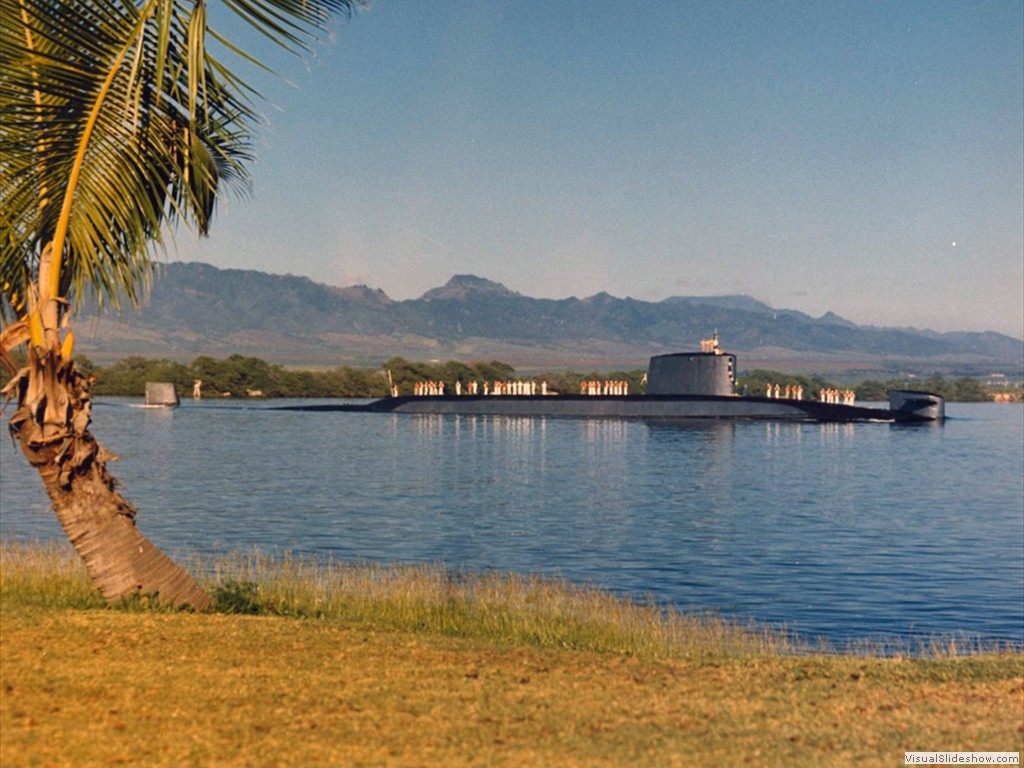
<point>917,405</point>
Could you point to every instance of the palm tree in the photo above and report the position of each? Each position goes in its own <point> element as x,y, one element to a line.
<point>117,123</point>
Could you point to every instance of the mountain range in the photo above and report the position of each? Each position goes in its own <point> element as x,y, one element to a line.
<point>197,309</point>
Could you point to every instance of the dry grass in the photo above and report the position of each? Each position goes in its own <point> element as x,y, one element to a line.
<point>499,607</point>
<point>84,685</point>
<point>503,608</point>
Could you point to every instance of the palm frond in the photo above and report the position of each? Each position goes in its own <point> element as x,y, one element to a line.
<point>117,120</point>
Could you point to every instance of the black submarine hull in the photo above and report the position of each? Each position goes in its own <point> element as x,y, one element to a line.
<point>631,407</point>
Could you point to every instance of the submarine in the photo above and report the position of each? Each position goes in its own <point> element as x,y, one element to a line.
<point>682,385</point>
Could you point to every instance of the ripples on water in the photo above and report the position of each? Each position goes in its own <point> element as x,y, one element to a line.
<point>840,531</point>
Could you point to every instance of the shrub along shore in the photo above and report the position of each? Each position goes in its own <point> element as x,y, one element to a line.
<point>319,663</point>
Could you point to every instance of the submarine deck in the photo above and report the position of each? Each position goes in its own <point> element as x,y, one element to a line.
<point>625,406</point>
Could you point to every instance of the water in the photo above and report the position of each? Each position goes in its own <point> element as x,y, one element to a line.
<point>846,532</point>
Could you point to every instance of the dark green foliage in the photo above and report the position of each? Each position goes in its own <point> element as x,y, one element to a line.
<point>566,383</point>
<point>495,370</point>
<point>239,597</point>
<point>874,390</point>
<point>235,376</point>
<point>129,376</point>
<point>968,390</point>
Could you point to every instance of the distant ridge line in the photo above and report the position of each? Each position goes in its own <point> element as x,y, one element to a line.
<point>199,309</point>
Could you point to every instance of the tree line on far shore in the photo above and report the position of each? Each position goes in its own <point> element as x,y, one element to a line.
<point>965,389</point>
<point>239,376</point>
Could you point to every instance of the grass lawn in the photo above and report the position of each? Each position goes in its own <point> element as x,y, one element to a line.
<point>82,685</point>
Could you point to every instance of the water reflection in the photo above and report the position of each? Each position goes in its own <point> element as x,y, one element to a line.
<point>818,525</point>
<point>605,430</point>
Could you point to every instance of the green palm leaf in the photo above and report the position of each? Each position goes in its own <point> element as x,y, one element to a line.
<point>117,122</point>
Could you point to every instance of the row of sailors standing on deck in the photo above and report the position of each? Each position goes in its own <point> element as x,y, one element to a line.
<point>796,392</point>
<point>789,392</point>
<point>518,388</point>
<point>424,388</point>
<point>434,388</point>
<point>428,388</point>
<point>431,388</point>
<point>846,397</point>
<point>604,387</point>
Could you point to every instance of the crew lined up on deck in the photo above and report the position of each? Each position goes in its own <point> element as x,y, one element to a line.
<point>604,387</point>
<point>430,388</point>
<point>846,397</point>
<point>789,392</point>
<point>796,392</point>
<point>424,388</point>
<point>518,387</point>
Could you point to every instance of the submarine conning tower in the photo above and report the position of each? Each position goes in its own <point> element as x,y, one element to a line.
<point>708,372</point>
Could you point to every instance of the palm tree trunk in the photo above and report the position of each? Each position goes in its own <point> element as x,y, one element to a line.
<point>51,425</point>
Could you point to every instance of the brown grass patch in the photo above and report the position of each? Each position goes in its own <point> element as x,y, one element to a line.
<point>101,687</point>
<point>84,685</point>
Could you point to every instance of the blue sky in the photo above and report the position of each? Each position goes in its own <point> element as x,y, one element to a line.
<point>861,157</point>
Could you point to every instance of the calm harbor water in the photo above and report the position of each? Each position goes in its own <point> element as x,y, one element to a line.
<point>846,532</point>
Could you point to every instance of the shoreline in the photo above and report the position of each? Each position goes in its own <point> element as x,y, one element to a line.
<point>84,684</point>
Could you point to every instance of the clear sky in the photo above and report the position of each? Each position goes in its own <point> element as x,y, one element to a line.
<point>861,157</point>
